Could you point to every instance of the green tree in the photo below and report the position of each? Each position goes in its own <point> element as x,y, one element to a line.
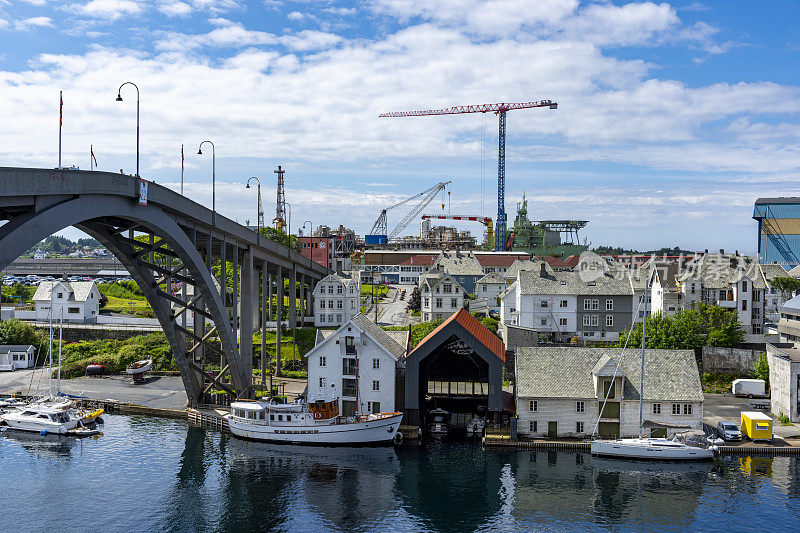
<point>786,285</point>
<point>721,324</point>
<point>281,237</point>
<point>761,368</point>
<point>415,300</point>
<point>490,324</point>
<point>708,324</point>
<point>15,331</point>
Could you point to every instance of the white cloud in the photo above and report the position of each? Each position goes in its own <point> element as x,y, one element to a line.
<point>109,9</point>
<point>37,3</point>
<point>33,22</point>
<point>232,34</point>
<point>3,23</point>
<point>175,9</point>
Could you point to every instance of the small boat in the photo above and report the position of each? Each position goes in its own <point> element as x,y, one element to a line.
<point>138,368</point>
<point>439,418</point>
<point>475,426</point>
<point>310,423</point>
<point>41,418</point>
<point>12,403</point>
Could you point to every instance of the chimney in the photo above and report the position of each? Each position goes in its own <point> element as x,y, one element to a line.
<point>737,253</point>
<point>706,250</point>
<point>721,251</point>
<point>734,262</point>
<point>543,270</point>
<point>338,267</point>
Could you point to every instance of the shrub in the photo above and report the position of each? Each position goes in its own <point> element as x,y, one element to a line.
<point>15,331</point>
<point>490,324</point>
<point>761,369</point>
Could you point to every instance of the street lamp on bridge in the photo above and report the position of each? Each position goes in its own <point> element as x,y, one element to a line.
<point>259,211</point>
<point>119,99</point>
<point>213,179</point>
<point>310,233</point>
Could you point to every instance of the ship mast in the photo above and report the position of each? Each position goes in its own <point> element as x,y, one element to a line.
<point>644,337</point>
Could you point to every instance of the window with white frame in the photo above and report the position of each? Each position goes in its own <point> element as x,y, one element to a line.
<point>339,304</point>
<point>330,289</point>
<point>376,385</point>
<point>532,426</point>
<point>322,317</point>
<point>544,322</point>
<point>322,304</point>
<point>656,408</point>
<point>427,302</point>
<point>376,364</point>
<point>330,304</point>
<point>438,303</point>
<point>578,427</point>
<point>587,304</point>
<point>453,302</point>
<point>609,321</point>
<point>562,303</point>
<point>595,320</point>
<point>587,320</point>
<point>322,360</point>
<point>321,382</point>
<point>338,289</point>
<point>687,408</point>
<point>580,407</point>
<point>533,406</point>
<point>562,321</point>
<point>543,303</point>
<point>609,305</point>
<point>676,408</point>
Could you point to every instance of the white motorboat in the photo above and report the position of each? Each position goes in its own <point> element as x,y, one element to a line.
<point>41,419</point>
<point>138,368</point>
<point>314,423</point>
<point>651,448</point>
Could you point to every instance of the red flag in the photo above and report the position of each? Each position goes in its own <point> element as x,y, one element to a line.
<point>91,150</point>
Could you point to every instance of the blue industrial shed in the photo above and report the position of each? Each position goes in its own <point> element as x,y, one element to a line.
<point>778,230</point>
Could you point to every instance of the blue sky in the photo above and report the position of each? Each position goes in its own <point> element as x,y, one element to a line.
<point>673,117</point>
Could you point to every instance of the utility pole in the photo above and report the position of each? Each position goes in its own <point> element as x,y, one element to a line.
<point>280,208</point>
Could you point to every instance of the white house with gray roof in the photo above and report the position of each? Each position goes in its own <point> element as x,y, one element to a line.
<point>76,301</point>
<point>358,349</point>
<point>464,267</point>
<point>560,391</point>
<point>337,298</point>
<point>441,295</point>
<point>490,286</point>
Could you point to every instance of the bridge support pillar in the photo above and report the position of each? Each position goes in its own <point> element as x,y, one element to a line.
<point>246,319</point>
<point>279,318</point>
<point>302,300</point>
<point>293,299</point>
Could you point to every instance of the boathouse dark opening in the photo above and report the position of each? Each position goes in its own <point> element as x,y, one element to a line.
<point>457,367</point>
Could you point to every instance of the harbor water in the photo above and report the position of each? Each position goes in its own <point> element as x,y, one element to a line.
<point>150,474</point>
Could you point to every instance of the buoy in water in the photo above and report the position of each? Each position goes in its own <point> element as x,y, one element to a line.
<point>99,420</point>
<point>398,438</point>
<point>43,433</point>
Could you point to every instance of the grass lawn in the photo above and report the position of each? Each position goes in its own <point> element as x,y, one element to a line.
<point>133,307</point>
<point>380,290</point>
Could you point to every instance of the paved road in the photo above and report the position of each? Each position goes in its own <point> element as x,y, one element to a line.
<point>393,312</point>
<point>718,407</point>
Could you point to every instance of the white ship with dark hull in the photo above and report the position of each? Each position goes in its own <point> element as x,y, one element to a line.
<point>315,423</point>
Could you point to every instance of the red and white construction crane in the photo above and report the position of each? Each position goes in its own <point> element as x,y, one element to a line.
<point>499,109</point>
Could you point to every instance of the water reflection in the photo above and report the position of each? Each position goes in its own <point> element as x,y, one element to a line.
<point>42,446</point>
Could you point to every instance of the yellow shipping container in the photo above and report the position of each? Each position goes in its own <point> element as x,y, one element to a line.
<point>756,425</point>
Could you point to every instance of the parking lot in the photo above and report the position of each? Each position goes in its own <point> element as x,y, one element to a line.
<point>728,407</point>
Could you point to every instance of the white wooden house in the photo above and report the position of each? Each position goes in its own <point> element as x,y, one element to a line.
<point>358,360</point>
<point>337,298</point>
<point>79,301</point>
<point>14,356</point>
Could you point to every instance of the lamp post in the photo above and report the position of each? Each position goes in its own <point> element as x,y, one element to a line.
<point>213,179</point>
<point>310,233</point>
<point>259,211</point>
<point>289,224</point>
<point>119,99</point>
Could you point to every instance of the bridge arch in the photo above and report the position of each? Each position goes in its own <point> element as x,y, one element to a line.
<point>182,245</point>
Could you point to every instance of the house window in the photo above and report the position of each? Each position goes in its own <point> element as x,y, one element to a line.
<point>609,320</point>
<point>321,382</point>
<point>484,288</point>
<point>349,387</point>
<point>427,302</point>
<point>349,366</point>
<point>579,427</point>
<point>322,304</point>
<point>687,408</point>
<point>744,286</point>
<point>744,305</point>
<point>543,303</point>
<point>322,360</point>
<point>580,407</point>
<point>676,408</point>
<point>656,408</point>
<point>330,304</point>
<point>453,302</point>
<point>544,321</point>
<point>321,318</point>
<point>339,318</point>
<point>330,289</point>
<point>533,406</point>
<point>349,346</point>
<point>595,320</point>
<point>587,320</point>
<point>376,385</point>
<point>532,426</point>
<point>338,289</point>
<point>73,310</point>
<point>756,296</point>
<point>374,407</point>
<point>447,288</point>
<point>438,303</point>
<point>60,295</point>
<point>608,389</point>
<point>562,303</point>
<point>562,321</point>
<point>376,364</point>
<point>587,304</point>
<point>609,305</point>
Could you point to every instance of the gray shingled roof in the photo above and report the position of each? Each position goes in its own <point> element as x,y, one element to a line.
<point>795,272</point>
<point>772,271</point>
<point>492,277</point>
<point>715,271</point>
<point>5,348</point>
<point>792,305</point>
<point>526,265</point>
<point>459,264</point>
<point>79,290</point>
<point>544,372</point>
<point>531,282</point>
<point>381,337</point>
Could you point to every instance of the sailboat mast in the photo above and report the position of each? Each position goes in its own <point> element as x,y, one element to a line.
<point>50,348</point>
<point>60,338</point>
<point>641,372</point>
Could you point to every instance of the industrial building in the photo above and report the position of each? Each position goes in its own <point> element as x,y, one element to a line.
<point>778,230</point>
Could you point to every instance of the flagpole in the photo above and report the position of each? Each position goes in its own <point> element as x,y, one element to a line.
<point>91,153</point>
<point>181,170</point>
<point>60,121</point>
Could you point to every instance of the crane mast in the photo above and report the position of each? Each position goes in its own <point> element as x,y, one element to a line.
<point>379,235</point>
<point>499,109</point>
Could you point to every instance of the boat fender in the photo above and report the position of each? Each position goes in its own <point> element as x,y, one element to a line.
<point>43,433</point>
<point>398,438</point>
<point>99,420</point>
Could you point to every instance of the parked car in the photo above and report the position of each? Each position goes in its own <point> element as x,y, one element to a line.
<point>727,431</point>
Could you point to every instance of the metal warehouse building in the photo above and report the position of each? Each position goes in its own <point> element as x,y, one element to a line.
<point>778,230</point>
